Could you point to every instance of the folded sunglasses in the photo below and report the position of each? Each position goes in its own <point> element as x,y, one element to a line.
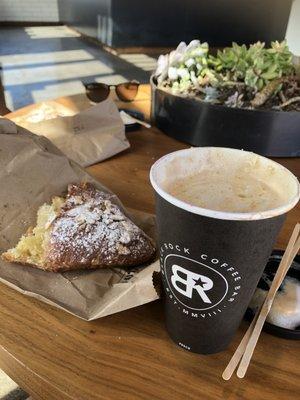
<point>98,92</point>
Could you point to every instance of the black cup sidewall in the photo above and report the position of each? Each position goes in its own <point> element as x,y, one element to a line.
<point>243,245</point>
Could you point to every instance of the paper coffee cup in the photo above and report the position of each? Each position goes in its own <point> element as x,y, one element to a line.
<point>211,261</point>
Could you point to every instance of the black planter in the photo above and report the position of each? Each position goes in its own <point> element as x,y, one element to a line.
<point>269,133</point>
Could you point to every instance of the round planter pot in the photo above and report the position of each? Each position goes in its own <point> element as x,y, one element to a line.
<point>269,133</point>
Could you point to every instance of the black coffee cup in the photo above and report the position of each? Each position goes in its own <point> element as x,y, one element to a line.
<point>211,261</point>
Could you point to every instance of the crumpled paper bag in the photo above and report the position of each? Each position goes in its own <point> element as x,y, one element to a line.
<point>32,170</point>
<point>87,137</point>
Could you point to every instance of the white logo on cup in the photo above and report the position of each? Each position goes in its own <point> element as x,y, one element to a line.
<point>192,283</point>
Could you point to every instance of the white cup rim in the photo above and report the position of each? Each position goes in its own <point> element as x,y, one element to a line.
<point>224,215</point>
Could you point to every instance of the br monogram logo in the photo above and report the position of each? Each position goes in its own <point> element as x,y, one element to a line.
<point>191,283</point>
<point>194,284</point>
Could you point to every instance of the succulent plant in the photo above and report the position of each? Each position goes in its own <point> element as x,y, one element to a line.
<point>185,67</point>
<point>256,65</point>
<point>190,69</point>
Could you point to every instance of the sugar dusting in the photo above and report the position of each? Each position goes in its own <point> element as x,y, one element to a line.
<point>92,229</point>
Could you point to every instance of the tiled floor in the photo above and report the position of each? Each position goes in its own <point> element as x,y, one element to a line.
<point>47,62</point>
<point>42,63</point>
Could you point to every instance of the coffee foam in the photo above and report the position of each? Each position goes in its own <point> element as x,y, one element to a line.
<point>184,163</point>
<point>239,193</point>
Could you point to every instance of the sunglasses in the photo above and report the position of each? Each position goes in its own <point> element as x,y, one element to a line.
<point>98,92</point>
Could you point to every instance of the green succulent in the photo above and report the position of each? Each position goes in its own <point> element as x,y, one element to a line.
<point>191,67</point>
<point>256,66</point>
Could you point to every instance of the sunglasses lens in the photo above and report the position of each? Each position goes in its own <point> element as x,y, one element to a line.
<point>127,91</point>
<point>97,92</point>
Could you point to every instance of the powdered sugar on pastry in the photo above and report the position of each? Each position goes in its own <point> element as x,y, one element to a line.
<point>83,223</point>
<point>90,231</point>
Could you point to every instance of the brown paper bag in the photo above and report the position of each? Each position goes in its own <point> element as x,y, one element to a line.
<point>32,170</point>
<point>87,137</point>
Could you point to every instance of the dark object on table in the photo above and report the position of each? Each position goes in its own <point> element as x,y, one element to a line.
<point>294,273</point>
<point>98,92</point>
<point>134,126</point>
<point>269,133</point>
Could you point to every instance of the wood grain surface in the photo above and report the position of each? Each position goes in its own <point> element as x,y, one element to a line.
<point>56,356</point>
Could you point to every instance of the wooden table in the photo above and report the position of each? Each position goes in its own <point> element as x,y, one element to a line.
<point>56,356</point>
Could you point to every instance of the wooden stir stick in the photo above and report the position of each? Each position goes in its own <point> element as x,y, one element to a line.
<point>248,343</point>
<point>238,354</point>
<point>279,277</point>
